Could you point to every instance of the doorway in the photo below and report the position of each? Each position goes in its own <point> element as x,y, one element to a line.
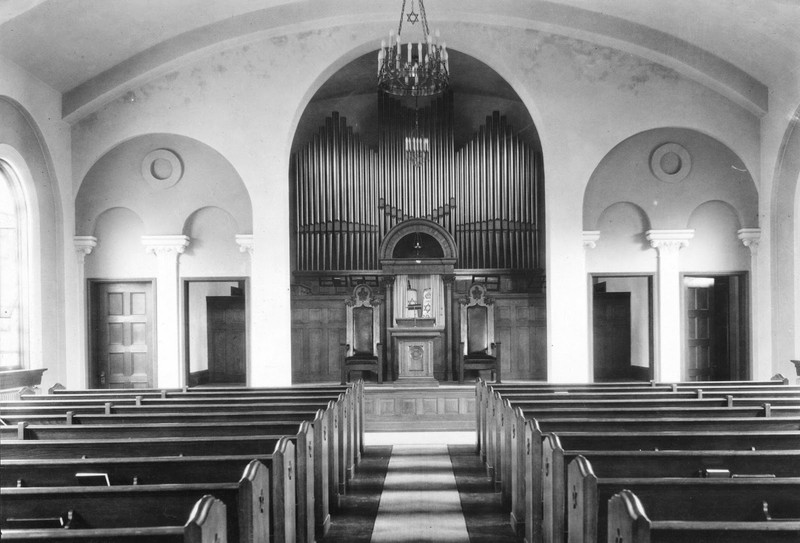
<point>215,331</point>
<point>121,334</point>
<point>716,331</point>
<point>622,327</point>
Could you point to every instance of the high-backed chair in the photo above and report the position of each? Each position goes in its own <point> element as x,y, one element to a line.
<point>363,347</point>
<point>479,350</point>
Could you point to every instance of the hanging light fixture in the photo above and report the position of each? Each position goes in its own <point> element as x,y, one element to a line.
<point>413,69</point>
<point>417,146</point>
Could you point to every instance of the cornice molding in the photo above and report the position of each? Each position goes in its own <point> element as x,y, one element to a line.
<point>669,239</point>
<point>245,242</point>
<point>84,245</point>
<point>165,244</point>
<point>590,238</point>
<point>750,237</point>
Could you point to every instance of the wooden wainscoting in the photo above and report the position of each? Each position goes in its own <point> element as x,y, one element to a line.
<point>444,408</point>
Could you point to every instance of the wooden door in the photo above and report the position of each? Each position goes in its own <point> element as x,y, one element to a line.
<point>122,335</point>
<point>712,331</point>
<point>612,336</point>
<point>227,344</point>
<point>699,333</point>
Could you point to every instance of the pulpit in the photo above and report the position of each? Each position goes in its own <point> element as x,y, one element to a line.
<point>417,261</point>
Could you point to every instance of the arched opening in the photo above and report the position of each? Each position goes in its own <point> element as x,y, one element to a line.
<point>354,180</point>
<point>13,271</point>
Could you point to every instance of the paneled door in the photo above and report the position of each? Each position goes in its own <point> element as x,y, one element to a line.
<point>123,349</point>
<point>699,359</point>
<point>226,339</point>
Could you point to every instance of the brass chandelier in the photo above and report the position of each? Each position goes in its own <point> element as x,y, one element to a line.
<point>413,69</point>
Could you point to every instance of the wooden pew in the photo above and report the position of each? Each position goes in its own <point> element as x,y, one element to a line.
<point>590,484</point>
<point>354,392</point>
<point>314,485</point>
<point>348,440</point>
<point>485,392</point>
<point>513,447</point>
<point>326,437</point>
<point>207,523</point>
<point>286,469</point>
<point>648,405</point>
<point>629,523</point>
<point>505,424</point>
<point>553,470</point>
<point>138,506</point>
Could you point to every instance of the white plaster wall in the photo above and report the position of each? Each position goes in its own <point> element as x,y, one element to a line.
<point>715,246</point>
<point>245,104</point>
<point>119,254</point>
<point>213,251</point>
<point>622,247</point>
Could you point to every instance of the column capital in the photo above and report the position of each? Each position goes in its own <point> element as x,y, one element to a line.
<point>590,238</point>
<point>245,242</point>
<point>669,240</point>
<point>163,245</point>
<point>750,237</point>
<point>386,281</point>
<point>84,245</point>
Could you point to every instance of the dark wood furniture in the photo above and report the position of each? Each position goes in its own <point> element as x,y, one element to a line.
<point>479,350</point>
<point>363,347</point>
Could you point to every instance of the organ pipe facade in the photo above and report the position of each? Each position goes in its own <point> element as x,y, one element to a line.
<point>488,194</point>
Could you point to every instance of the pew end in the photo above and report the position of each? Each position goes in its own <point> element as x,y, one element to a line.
<point>254,503</point>
<point>207,522</point>
<point>582,503</point>
<point>627,520</point>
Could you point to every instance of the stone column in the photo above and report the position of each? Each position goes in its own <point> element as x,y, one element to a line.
<point>448,280</point>
<point>668,302</point>
<point>170,369</point>
<point>84,245</point>
<point>750,237</point>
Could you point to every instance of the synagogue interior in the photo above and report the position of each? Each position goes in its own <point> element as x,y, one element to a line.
<point>414,227</point>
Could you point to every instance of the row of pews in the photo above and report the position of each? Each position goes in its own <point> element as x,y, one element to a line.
<point>645,462</point>
<point>194,465</point>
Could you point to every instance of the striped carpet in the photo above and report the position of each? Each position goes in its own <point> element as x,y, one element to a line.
<point>420,501</point>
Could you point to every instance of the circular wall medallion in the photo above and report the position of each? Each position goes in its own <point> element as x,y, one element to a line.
<point>671,163</point>
<point>162,168</point>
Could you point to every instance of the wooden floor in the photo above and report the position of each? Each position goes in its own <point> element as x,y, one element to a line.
<point>406,493</point>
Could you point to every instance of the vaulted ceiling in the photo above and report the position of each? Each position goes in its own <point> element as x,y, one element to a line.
<point>79,46</point>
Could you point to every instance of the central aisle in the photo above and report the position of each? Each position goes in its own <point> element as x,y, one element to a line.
<point>420,500</point>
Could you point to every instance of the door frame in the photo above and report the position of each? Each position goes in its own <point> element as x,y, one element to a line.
<point>745,363</point>
<point>90,336</point>
<point>650,277</point>
<point>184,292</point>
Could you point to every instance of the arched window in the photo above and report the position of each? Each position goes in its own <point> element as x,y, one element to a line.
<point>13,270</point>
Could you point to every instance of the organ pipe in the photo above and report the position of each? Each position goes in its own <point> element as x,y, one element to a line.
<point>347,195</point>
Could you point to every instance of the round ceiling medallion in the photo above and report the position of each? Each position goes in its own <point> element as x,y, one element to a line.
<point>162,168</point>
<point>671,163</point>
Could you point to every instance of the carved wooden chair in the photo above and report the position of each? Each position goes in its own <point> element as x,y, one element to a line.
<point>363,347</point>
<point>479,350</point>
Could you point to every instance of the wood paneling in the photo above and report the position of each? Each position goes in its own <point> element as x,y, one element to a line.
<point>521,327</point>
<point>442,408</point>
<point>318,330</point>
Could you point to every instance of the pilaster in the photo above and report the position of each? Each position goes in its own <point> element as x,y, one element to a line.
<point>84,245</point>
<point>668,339</point>
<point>167,250</point>
<point>762,367</point>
